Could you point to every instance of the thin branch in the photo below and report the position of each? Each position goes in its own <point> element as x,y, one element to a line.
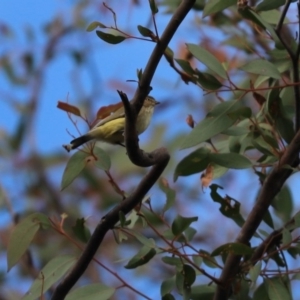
<point>136,155</point>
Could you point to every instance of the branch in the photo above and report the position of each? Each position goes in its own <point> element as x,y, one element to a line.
<point>273,239</point>
<point>271,187</point>
<point>158,158</point>
<point>103,227</point>
<point>294,57</point>
<point>136,155</point>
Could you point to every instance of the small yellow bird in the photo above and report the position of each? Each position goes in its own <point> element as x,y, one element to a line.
<point>111,128</point>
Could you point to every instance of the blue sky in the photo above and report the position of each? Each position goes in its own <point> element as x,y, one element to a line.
<point>108,68</point>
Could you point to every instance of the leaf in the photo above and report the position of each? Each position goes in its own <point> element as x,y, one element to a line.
<point>286,237</point>
<point>141,258</point>
<point>189,274</point>
<point>145,31</point>
<point>153,7</point>
<point>193,163</point>
<point>167,286</point>
<point>233,248</point>
<point>208,81</point>
<point>229,206</point>
<point>180,224</point>
<point>230,160</point>
<point>170,194</point>
<point>185,66</point>
<point>81,231</point>
<point>207,59</point>
<point>110,38</point>
<point>217,121</point>
<point>74,166</point>
<point>250,14</point>
<point>105,111</point>
<point>208,259</point>
<point>69,108</point>
<point>22,235</point>
<point>269,4</point>
<point>262,67</point>
<point>51,273</point>
<point>254,272</point>
<point>92,26</point>
<point>277,290</point>
<point>95,291</point>
<point>103,160</point>
<point>203,292</point>
<point>214,6</point>
<point>173,261</point>
<point>150,243</point>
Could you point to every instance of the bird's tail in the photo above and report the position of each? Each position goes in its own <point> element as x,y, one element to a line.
<point>78,142</point>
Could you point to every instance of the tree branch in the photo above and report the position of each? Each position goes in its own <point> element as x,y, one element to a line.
<point>158,158</point>
<point>271,187</point>
<point>136,155</point>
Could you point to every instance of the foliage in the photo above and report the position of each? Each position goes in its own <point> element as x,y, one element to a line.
<point>246,63</point>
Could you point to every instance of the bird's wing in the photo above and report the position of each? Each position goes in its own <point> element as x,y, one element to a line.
<point>109,118</point>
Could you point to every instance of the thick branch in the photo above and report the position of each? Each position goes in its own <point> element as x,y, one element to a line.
<point>269,190</point>
<point>158,158</point>
<point>104,226</point>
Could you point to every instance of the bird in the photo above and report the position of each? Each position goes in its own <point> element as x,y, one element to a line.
<point>111,128</point>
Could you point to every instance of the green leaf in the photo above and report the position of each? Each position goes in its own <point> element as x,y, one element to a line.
<point>207,59</point>
<point>268,219</point>
<point>173,261</point>
<point>95,291</point>
<point>261,292</point>
<point>103,160</point>
<point>220,118</point>
<point>250,14</point>
<point>153,7</point>
<point>203,292</point>
<point>81,231</point>
<point>22,235</point>
<point>168,297</point>
<point>167,286</point>
<point>233,248</point>
<point>254,272</point>
<point>230,160</point>
<point>193,163</point>
<point>277,290</point>
<point>50,274</point>
<point>269,4</point>
<point>283,204</point>
<point>189,274</point>
<point>94,25</point>
<point>145,31</point>
<point>214,6</point>
<point>286,237</point>
<point>74,166</point>
<point>110,38</point>
<point>170,194</point>
<point>272,16</point>
<point>208,81</point>
<point>150,243</point>
<point>180,224</point>
<point>229,206</point>
<point>262,67</point>
<point>141,258</point>
<point>208,259</point>
<point>185,66</point>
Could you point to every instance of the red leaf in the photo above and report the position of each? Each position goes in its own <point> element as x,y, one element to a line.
<point>105,111</point>
<point>69,108</point>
